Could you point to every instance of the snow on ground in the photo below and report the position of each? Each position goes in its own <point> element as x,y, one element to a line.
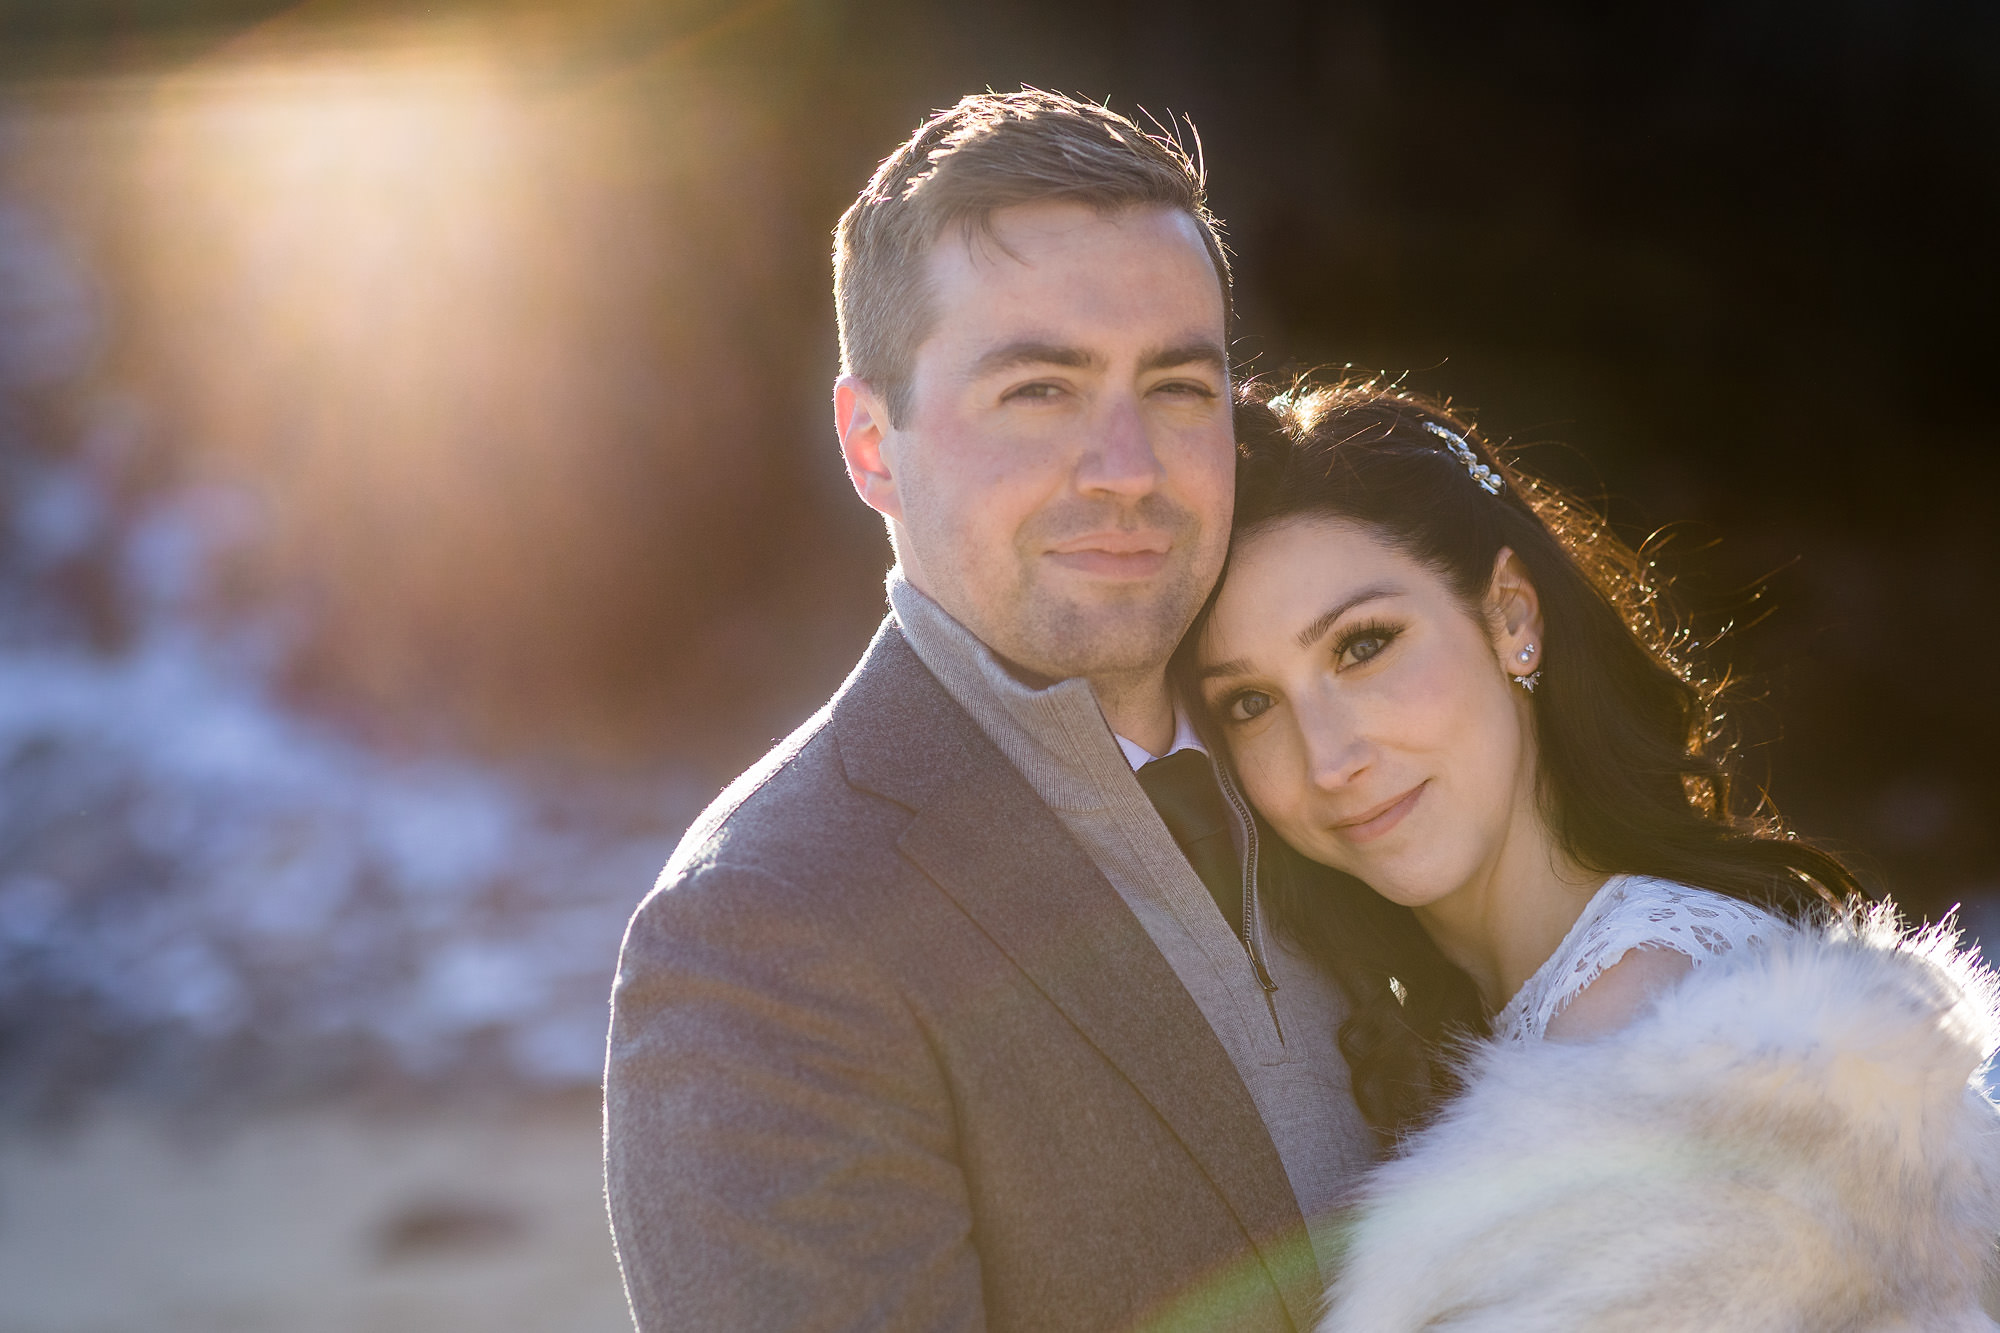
<point>188,864</point>
<point>180,849</point>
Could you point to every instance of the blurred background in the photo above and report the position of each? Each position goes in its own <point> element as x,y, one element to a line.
<point>418,497</point>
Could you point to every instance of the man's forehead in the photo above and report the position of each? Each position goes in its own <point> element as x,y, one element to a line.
<point>1030,234</point>
<point>1062,274</point>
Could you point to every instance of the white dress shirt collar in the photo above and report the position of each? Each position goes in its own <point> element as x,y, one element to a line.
<point>1185,738</point>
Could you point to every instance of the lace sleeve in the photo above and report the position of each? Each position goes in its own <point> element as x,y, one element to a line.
<point>1634,912</point>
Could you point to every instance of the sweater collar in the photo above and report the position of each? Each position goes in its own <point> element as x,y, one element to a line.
<point>1055,734</point>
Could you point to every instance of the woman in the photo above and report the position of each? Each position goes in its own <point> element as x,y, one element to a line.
<point>1714,1094</point>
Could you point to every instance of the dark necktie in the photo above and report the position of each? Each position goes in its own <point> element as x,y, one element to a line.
<point>1183,789</point>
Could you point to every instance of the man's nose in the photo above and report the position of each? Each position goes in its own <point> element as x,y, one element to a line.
<point>1118,458</point>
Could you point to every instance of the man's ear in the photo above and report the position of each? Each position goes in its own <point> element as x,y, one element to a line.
<point>1515,610</point>
<point>861,418</point>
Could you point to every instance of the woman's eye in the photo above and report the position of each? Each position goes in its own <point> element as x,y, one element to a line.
<point>1363,645</point>
<point>1247,707</point>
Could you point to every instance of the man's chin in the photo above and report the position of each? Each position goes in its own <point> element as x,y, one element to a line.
<point>1106,635</point>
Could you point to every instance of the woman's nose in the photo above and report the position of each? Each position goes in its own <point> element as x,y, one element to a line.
<point>1335,751</point>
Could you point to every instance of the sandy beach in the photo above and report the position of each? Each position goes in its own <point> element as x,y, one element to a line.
<point>309,1221</point>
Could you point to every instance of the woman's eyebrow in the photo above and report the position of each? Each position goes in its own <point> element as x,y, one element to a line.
<point>1316,631</point>
<point>1311,634</point>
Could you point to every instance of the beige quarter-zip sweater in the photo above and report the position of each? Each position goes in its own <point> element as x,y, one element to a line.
<point>1282,1041</point>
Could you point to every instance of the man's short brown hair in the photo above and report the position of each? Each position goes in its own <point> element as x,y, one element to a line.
<point>990,151</point>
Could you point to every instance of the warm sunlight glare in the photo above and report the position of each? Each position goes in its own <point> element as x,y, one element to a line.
<point>347,231</point>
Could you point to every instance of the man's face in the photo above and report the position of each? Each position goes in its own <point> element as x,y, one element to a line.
<point>1063,480</point>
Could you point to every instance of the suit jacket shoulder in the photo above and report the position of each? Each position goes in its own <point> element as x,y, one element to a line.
<point>889,725</point>
<point>880,1004</point>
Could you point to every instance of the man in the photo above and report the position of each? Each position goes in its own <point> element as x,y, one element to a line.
<point>931,1023</point>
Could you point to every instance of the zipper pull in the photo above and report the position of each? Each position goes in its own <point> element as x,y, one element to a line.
<point>1263,974</point>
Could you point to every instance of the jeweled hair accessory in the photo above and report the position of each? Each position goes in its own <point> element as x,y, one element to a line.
<point>1488,479</point>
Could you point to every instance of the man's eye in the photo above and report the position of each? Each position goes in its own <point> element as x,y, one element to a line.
<point>1248,706</point>
<point>1033,393</point>
<point>1186,389</point>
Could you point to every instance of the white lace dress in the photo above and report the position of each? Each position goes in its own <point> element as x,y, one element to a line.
<point>1632,912</point>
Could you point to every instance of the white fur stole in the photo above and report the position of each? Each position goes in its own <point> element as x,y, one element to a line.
<point>1788,1141</point>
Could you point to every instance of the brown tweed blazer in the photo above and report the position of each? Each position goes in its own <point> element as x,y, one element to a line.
<point>888,1052</point>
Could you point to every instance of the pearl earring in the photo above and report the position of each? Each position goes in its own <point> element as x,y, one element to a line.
<point>1533,678</point>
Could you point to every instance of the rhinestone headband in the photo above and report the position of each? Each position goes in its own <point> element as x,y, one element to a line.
<point>1489,480</point>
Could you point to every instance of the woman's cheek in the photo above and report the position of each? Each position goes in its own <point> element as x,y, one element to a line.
<point>1421,708</point>
<point>1273,786</point>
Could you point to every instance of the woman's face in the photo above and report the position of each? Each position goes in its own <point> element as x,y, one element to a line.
<point>1368,711</point>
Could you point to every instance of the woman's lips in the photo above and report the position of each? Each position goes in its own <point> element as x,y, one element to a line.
<point>1382,818</point>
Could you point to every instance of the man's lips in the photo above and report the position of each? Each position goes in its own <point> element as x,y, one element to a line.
<point>1115,543</point>
<point>1114,554</point>
<point>1372,824</point>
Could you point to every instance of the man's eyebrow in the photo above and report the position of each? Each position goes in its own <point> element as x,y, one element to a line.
<point>1037,352</point>
<point>1031,352</point>
<point>1203,353</point>
<point>1316,631</point>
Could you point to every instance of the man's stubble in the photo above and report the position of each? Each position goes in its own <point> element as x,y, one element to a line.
<point>1105,630</point>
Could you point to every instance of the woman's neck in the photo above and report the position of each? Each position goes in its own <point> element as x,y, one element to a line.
<point>1504,922</point>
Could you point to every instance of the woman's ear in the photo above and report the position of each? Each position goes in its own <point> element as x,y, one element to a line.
<point>1514,609</point>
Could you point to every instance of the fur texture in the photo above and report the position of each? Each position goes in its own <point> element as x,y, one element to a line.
<point>1789,1141</point>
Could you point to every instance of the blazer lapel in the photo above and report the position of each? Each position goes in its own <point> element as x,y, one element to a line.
<point>989,841</point>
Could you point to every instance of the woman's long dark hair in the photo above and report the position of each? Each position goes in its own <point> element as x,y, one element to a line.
<point>1634,764</point>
